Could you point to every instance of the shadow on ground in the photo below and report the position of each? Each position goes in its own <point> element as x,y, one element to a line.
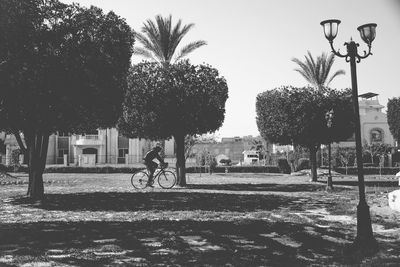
<point>260,187</point>
<point>393,183</point>
<point>166,201</point>
<point>179,243</point>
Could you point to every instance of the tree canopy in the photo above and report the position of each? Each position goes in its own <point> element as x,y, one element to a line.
<point>62,68</point>
<point>393,116</point>
<point>173,101</point>
<point>297,116</point>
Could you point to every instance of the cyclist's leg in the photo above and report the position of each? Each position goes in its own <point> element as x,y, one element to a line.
<point>151,166</point>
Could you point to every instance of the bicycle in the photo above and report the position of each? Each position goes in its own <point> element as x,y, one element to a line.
<point>166,179</point>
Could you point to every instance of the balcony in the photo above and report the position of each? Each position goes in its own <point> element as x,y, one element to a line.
<point>87,140</point>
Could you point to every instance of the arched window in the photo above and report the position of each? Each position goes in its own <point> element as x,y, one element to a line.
<point>376,135</point>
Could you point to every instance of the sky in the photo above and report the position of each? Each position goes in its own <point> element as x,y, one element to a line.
<point>252,43</point>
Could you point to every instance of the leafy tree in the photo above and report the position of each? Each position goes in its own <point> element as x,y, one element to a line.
<point>344,156</point>
<point>316,71</point>
<point>192,140</point>
<point>63,68</point>
<point>393,116</point>
<point>173,101</point>
<point>296,116</point>
<point>160,40</point>
<point>376,150</point>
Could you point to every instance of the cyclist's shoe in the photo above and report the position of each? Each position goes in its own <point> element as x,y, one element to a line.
<point>150,183</point>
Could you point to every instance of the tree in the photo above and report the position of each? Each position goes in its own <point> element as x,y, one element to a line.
<point>63,68</point>
<point>173,101</point>
<point>393,115</point>
<point>296,116</point>
<point>192,140</point>
<point>160,40</point>
<point>316,72</point>
<point>376,151</point>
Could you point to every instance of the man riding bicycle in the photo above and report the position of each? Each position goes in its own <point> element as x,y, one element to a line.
<point>150,164</point>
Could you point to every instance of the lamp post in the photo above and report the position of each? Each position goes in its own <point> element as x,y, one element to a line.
<point>365,240</point>
<point>329,118</point>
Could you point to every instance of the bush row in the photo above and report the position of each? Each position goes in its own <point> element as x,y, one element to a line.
<point>240,169</point>
<point>368,170</point>
<point>109,169</point>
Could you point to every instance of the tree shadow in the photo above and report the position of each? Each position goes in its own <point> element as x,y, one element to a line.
<point>165,201</point>
<point>260,187</point>
<point>369,183</point>
<point>178,243</point>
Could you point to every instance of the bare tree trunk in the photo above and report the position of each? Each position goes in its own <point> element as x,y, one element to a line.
<point>180,159</point>
<point>37,147</point>
<point>313,162</point>
<point>21,145</point>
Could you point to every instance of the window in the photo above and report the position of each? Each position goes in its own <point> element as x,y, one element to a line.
<point>62,152</point>
<point>122,152</point>
<point>376,135</point>
<point>63,134</point>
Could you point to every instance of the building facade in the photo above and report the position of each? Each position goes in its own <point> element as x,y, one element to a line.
<point>373,122</point>
<point>104,146</point>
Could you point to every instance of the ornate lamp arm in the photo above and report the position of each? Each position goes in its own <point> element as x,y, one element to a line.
<point>365,53</point>
<point>337,53</point>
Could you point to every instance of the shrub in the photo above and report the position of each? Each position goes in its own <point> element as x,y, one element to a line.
<point>303,164</point>
<point>284,166</point>
<point>370,165</point>
<point>369,170</point>
<point>15,157</point>
<point>77,169</point>
<point>235,169</point>
<point>225,161</point>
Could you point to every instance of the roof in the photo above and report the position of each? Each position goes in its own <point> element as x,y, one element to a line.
<point>368,95</point>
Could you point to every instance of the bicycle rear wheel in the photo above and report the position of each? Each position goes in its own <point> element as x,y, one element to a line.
<point>167,179</point>
<point>139,180</point>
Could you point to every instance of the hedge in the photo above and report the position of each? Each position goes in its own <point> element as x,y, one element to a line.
<point>109,169</point>
<point>239,169</point>
<point>368,170</point>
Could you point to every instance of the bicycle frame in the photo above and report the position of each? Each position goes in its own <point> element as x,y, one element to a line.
<point>158,172</point>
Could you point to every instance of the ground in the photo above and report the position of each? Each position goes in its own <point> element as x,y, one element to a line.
<point>219,219</point>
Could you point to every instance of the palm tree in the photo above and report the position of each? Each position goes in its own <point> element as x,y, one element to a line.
<point>160,40</point>
<point>317,71</point>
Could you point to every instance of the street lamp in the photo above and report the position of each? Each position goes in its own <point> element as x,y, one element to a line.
<point>329,118</point>
<point>365,239</point>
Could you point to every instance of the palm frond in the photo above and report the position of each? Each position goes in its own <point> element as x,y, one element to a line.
<point>337,73</point>
<point>189,48</point>
<point>161,39</point>
<point>316,71</point>
<point>143,52</point>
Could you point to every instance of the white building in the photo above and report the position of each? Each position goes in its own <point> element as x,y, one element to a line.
<point>104,146</point>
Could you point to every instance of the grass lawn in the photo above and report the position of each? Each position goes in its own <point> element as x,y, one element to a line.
<point>219,219</point>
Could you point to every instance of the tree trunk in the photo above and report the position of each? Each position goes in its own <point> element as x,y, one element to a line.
<point>313,163</point>
<point>180,159</point>
<point>37,145</point>
<point>22,146</point>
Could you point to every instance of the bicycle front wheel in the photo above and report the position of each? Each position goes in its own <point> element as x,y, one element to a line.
<point>139,180</point>
<point>167,179</point>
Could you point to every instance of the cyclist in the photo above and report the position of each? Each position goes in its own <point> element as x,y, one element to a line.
<point>150,164</point>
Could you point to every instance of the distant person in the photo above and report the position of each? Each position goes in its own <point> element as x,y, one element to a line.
<point>151,165</point>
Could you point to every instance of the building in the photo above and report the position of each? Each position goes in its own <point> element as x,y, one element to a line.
<point>250,157</point>
<point>104,146</point>
<point>373,122</point>
<point>230,147</point>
